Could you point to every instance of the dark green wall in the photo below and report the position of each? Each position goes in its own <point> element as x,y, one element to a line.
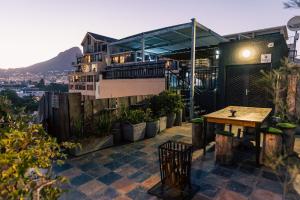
<point>231,55</point>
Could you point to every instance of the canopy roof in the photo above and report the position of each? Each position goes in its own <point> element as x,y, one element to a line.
<point>169,39</point>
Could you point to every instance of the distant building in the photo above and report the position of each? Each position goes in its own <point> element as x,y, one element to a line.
<point>150,62</point>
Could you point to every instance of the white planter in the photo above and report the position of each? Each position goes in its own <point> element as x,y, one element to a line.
<point>134,132</point>
<point>162,123</point>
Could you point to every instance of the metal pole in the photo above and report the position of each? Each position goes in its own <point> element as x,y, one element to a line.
<point>143,48</point>
<point>192,77</point>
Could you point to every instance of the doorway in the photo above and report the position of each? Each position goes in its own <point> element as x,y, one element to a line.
<point>242,88</point>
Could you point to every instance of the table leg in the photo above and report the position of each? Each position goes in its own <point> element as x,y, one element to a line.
<point>257,144</point>
<point>204,136</point>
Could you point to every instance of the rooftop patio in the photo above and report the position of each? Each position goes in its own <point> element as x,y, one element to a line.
<point>130,170</point>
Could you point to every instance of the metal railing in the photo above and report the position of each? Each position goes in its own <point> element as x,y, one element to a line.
<point>151,69</point>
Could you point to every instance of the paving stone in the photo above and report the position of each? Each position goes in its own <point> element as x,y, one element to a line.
<point>139,163</point>
<point>139,154</point>
<point>124,185</point>
<point>151,181</point>
<point>151,168</point>
<point>127,159</point>
<point>239,188</point>
<point>81,179</point>
<point>108,194</point>
<point>61,168</point>
<point>243,178</point>
<point>230,195</point>
<point>109,178</point>
<point>260,194</point>
<point>117,155</point>
<point>247,169</point>
<point>92,187</point>
<point>139,176</point>
<point>213,180</point>
<point>198,174</point>
<point>114,165</point>
<point>270,175</point>
<point>126,170</point>
<point>272,186</point>
<point>88,166</point>
<point>74,195</point>
<point>71,173</point>
<point>208,190</point>
<point>139,193</point>
<point>220,171</point>
<point>100,171</point>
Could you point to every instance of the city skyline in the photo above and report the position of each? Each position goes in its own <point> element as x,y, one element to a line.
<point>34,31</point>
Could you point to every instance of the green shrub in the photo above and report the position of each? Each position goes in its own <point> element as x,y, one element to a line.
<point>135,116</point>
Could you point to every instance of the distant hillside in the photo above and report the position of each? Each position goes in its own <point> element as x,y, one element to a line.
<point>60,62</point>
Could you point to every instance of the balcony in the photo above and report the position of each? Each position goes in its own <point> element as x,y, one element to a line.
<point>93,58</point>
<point>151,69</point>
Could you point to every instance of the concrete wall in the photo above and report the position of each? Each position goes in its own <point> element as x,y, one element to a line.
<point>129,87</point>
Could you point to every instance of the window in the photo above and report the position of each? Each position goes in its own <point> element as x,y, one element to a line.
<point>90,87</point>
<point>104,47</point>
<point>88,40</point>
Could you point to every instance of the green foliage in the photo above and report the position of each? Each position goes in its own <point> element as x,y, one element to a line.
<point>274,131</point>
<point>104,122</point>
<point>286,125</point>
<point>27,154</point>
<point>198,120</point>
<point>165,103</point>
<point>135,116</point>
<point>225,133</point>
<point>149,117</point>
<point>29,104</point>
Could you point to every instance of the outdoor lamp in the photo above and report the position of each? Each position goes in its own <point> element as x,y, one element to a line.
<point>246,53</point>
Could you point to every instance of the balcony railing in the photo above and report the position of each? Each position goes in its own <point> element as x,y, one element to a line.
<point>151,69</point>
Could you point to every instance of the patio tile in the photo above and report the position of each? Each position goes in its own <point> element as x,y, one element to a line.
<point>247,169</point>
<point>100,171</point>
<point>270,185</point>
<point>260,194</point>
<point>151,181</point>
<point>208,190</point>
<point>245,179</point>
<point>61,168</point>
<point>213,180</point>
<point>138,154</point>
<point>124,185</point>
<point>122,197</point>
<point>71,173</point>
<point>81,179</point>
<point>114,165</point>
<point>151,168</point>
<point>139,193</point>
<point>270,175</point>
<point>139,176</point>
<point>117,155</point>
<point>198,174</point>
<point>126,170</point>
<point>74,195</point>
<point>103,160</point>
<point>109,178</point>
<point>139,163</point>
<point>230,195</point>
<point>221,171</point>
<point>239,188</point>
<point>107,194</point>
<point>87,166</point>
<point>128,159</point>
<point>91,187</point>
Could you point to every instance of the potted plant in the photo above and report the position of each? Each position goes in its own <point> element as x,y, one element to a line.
<point>197,132</point>
<point>152,124</point>
<point>157,107</point>
<point>134,125</point>
<point>172,104</point>
<point>289,130</point>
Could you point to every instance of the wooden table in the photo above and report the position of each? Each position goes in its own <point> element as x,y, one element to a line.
<point>245,116</point>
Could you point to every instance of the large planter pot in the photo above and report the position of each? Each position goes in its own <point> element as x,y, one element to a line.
<point>117,132</point>
<point>162,123</point>
<point>272,146</point>
<point>178,119</point>
<point>171,119</point>
<point>224,148</point>
<point>289,131</point>
<point>92,144</point>
<point>152,128</point>
<point>197,133</point>
<point>134,132</point>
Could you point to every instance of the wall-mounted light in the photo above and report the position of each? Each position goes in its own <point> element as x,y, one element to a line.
<point>246,53</point>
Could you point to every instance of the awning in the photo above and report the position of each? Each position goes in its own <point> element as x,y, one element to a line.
<point>169,39</point>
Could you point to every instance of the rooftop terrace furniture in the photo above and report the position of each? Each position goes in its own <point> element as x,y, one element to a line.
<point>245,116</point>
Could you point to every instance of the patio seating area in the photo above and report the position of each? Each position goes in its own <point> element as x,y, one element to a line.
<point>130,170</point>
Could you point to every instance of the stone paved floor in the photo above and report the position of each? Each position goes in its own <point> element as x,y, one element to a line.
<point>128,171</point>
